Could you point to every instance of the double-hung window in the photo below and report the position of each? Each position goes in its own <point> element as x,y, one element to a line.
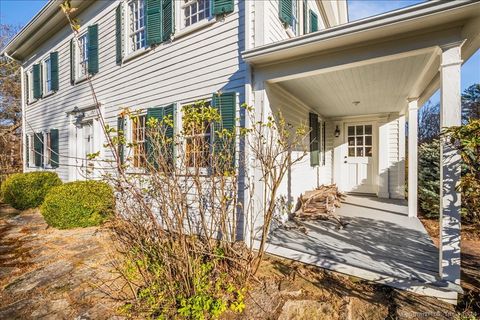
<point>30,86</point>
<point>47,75</point>
<point>198,140</point>
<point>136,39</point>
<point>194,11</point>
<point>82,57</point>
<point>138,141</point>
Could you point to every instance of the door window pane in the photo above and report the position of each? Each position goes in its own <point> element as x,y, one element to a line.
<point>368,151</point>
<point>368,140</point>
<point>351,131</point>
<point>351,141</point>
<point>368,129</point>
<point>359,130</point>
<point>359,141</point>
<point>359,151</point>
<point>351,152</point>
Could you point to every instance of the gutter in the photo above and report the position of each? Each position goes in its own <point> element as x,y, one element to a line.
<point>46,9</point>
<point>378,21</point>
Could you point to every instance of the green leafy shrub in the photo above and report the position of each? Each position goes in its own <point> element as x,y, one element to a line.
<point>429,178</point>
<point>78,204</point>
<point>28,190</point>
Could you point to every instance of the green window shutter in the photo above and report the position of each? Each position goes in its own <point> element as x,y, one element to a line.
<point>154,22</point>
<point>226,103</point>
<point>72,61</point>
<point>119,33</point>
<point>54,148</point>
<point>93,49</point>
<point>37,81</point>
<point>168,19</point>
<point>38,148</point>
<point>285,11</point>
<point>121,133</point>
<point>160,114</point>
<point>54,70</point>
<point>27,151</point>
<point>313,21</point>
<point>222,6</point>
<point>314,139</point>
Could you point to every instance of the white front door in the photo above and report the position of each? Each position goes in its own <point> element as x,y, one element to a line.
<point>360,157</point>
<point>88,148</point>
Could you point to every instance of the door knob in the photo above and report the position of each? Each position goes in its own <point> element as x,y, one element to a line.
<point>345,161</point>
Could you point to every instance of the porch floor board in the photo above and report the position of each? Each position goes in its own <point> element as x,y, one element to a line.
<point>380,239</point>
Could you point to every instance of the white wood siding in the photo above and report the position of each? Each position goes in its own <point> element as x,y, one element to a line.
<point>189,68</point>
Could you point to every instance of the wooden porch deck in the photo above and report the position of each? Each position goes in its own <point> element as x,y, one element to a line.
<point>380,243</point>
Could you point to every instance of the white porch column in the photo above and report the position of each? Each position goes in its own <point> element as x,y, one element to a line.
<point>383,164</point>
<point>450,204</point>
<point>412,157</point>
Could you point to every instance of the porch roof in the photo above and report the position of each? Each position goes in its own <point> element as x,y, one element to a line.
<point>406,40</point>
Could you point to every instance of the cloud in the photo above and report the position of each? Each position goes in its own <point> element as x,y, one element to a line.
<point>359,9</point>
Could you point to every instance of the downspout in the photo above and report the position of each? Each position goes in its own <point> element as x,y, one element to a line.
<point>22,92</point>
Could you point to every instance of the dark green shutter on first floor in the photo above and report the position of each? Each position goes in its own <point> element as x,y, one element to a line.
<point>222,6</point>
<point>285,11</point>
<point>160,113</point>
<point>54,70</point>
<point>92,49</point>
<point>54,145</point>
<point>226,104</point>
<point>38,149</point>
<point>121,135</point>
<point>313,21</point>
<point>37,81</point>
<point>314,139</point>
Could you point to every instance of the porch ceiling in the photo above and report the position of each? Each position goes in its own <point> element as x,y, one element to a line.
<point>379,87</point>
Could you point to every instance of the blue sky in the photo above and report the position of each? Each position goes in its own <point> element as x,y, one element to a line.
<point>19,12</point>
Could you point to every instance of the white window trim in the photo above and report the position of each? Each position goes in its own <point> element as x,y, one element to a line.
<point>181,30</point>
<point>129,55</point>
<point>31,151</point>
<point>47,150</point>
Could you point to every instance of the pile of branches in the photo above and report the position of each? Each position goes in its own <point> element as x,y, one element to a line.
<point>320,204</point>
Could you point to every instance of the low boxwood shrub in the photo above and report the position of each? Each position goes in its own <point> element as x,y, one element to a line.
<point>28,190</point>
<point>78,204</point>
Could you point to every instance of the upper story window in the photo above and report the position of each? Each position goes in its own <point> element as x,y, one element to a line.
<point>29,84</point>
<point>195,11</point>
<point>47,75</point>
<point>136,25</point>
<point>82,57</point>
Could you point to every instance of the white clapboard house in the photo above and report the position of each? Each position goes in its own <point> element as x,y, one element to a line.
<point>355,83</point>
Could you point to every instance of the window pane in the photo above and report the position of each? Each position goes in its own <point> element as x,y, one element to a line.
<point>368,140</point>
<point>351,141</point>
<point>359,130</point>
<point>351,130</point>
<point>368,129</point>
<point>359,141</point>
<point>368,151</point>
<point>351,152</point>
<point>359,151</point>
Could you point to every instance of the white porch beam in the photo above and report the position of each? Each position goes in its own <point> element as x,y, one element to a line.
<point>450,204</point>
<point>412,157</point>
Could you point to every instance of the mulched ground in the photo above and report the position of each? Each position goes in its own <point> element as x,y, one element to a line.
<point>51,274</point>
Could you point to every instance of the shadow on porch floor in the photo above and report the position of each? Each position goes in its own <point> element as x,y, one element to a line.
<point>380,243</point>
